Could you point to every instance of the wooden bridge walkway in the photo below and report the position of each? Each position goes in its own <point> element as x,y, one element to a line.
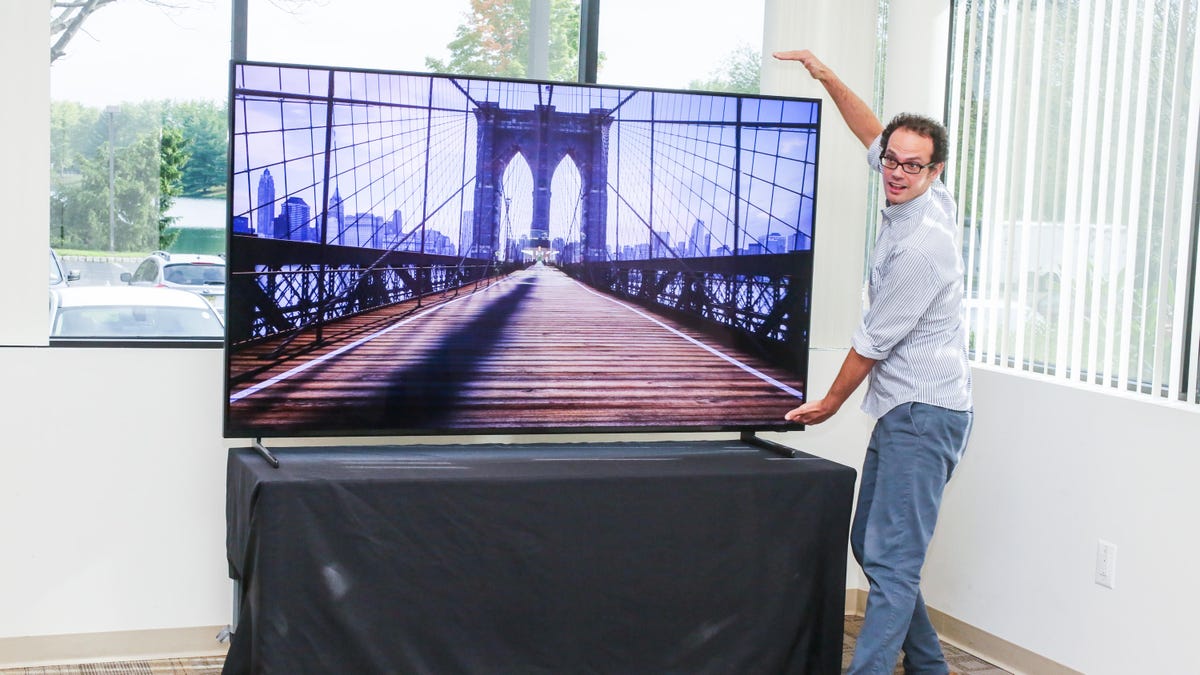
<point>536,349</point>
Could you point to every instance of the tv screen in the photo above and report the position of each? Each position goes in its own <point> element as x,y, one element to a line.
<point>414,254</point>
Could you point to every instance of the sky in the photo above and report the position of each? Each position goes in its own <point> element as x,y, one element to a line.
<point>133,50</point>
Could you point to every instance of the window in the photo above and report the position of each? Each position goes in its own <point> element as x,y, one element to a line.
<point>139,144</point>
<point>138,155</point>
<point>146,272</point>
<point>713,45</point>
<point>1075,168</point>
<point>384,34</point>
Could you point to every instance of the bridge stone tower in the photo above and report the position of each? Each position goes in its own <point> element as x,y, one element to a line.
<point>543,136</point>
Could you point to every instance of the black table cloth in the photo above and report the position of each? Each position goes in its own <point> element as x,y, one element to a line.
<point>670,557</point>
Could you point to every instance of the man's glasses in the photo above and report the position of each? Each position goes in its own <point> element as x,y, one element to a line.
<point>890,162</point>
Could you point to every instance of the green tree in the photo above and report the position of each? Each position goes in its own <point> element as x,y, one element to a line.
<point>564,41</point>
<point>72,131</point>
<point>739,73</point>
<point>173,157</point>
<point>135,195</point>
<point>146,179</point>
<point>494,41</point>
<point>205,126</point>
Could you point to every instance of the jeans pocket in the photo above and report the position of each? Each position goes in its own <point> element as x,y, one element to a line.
<point>918,417</point>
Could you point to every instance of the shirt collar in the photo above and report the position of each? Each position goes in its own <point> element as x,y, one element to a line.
<point>903,218</point>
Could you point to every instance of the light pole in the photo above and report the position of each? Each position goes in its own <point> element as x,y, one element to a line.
<point>507,224</point>
<point>62,220</point>
<point>111,111</point>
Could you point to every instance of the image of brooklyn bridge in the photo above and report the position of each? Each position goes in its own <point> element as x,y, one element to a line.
<point>414,253</point>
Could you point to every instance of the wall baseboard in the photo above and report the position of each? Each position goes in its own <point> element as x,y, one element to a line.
<point>995,650</point>
<point>42,650</point>
<point>135,645</point>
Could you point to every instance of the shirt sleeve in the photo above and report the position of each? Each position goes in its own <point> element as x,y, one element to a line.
<point>875,152</point>
<point>905,290</point>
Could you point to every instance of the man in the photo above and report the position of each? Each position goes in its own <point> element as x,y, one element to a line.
<point>911,343</point>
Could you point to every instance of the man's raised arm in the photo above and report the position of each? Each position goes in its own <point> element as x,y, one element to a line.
<point>858,116</point>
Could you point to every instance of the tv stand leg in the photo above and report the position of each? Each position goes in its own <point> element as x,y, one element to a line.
<point>777,448</point>
<point>266,454</point>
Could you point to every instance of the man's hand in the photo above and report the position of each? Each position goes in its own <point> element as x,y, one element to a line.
<point>859,117</point>
<point>813,412</point>
<point>818,70</point>
<point>854,370</point>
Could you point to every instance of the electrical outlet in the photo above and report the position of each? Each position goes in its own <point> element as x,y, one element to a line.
<point>1106,564</point>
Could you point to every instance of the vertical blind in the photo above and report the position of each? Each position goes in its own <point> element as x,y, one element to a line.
<point>1074,160</point>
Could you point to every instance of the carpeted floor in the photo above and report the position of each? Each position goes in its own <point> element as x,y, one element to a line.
<point>199,665</point>
<point>960,662</point>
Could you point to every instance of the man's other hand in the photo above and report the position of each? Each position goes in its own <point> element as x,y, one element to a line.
<point>818,70</point>
<point>813,412</point>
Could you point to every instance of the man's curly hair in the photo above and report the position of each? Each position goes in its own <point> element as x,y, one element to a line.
<point>924,126</point>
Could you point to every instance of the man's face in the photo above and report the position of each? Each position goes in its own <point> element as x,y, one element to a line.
<point>904,146</point>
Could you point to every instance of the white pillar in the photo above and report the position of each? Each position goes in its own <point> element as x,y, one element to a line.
<point>917,50</point>
<point>25,173</point>
<point>843,35</point>
<point>539,40</point>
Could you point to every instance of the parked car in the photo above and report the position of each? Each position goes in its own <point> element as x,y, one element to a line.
<point>203,275</point>
<point>131,312</point>
<point>59,275</point>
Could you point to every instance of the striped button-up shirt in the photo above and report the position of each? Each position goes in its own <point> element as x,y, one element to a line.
<point>913,325</point>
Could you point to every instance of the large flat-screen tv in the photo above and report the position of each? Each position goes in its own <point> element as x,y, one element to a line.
<point>415,254</point>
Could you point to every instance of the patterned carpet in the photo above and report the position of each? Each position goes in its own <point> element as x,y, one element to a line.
<point>200,665</point>
<point>960,662</point>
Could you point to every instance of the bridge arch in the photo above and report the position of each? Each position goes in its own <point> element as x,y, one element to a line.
<point>543,136</point>
<point>516,202</point>
<point>566,203</point>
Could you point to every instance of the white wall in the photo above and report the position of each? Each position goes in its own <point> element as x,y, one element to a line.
<point>112,491</point>
<point>113,499</point>
<point>1051,468</point>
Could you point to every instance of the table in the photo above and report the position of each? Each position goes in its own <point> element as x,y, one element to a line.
<point>658,557</point>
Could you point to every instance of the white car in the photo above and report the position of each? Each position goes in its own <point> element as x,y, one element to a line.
<point>203,275</point>
<point>131,313</point>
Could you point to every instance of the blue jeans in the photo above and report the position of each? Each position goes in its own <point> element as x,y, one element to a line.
<point>913,451</point>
